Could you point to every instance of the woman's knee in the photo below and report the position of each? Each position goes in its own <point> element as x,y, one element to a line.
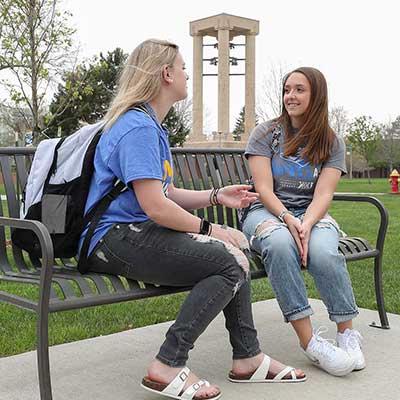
<point>274,237</point>
<point>235,273</point>
<point>326,262</point>
<point>228,260</point>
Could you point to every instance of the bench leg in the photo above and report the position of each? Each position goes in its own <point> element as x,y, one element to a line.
<point>43,354</point>
<point>379,294</point>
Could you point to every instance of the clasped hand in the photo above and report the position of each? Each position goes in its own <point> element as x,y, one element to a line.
<point>300,231</point>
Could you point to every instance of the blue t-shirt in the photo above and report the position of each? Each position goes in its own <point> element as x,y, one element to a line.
<point>136,147</point>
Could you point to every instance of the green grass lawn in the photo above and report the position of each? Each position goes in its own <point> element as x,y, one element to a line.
<point>18,329</point>
<point>380,185</point>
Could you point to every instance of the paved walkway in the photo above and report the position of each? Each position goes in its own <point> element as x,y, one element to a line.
<point>111,367</point>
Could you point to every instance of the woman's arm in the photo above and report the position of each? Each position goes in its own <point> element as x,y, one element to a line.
<point>189,199</point>
<point>319,205</point>
<point>323,194</point>
<point>261,172</point>
<point>166,212</point>
<point>235,196</point>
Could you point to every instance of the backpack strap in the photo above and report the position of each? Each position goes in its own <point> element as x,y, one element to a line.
<point>93,217</point>
<point>53,166</point>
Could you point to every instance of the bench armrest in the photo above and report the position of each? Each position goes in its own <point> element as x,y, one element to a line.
<point>46,246</point>
<point>384,221</point>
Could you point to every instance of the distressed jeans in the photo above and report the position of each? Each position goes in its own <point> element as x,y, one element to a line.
<point>281,260</point>
<point>150,253</point>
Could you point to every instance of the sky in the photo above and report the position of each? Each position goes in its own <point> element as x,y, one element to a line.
<point>355,43</point>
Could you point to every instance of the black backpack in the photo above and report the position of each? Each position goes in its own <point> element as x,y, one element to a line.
<point>56,193</point>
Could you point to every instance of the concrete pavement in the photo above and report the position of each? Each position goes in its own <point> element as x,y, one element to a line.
<point>111,367</point>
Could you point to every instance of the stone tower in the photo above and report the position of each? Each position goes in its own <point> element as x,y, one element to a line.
<point>224,28</point>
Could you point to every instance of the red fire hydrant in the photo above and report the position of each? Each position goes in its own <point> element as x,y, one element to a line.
<point>394,181</point>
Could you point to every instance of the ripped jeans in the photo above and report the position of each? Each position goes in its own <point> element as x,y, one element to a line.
<point>281,261</point>
<point>150,253</point>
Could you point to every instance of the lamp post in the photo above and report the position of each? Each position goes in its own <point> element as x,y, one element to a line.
<point>349,152</point>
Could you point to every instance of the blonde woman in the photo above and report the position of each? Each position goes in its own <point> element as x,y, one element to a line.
<point>147,234</point>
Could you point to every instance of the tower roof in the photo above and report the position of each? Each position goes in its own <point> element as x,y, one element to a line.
<point>236,25</point>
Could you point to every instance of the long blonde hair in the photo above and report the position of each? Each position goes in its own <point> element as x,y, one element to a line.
<point>140,80</point>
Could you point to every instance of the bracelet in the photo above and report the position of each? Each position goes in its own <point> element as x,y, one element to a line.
<point>217,203</point>
<point>281,216</point>
<point>205,227</point>
<point>214,197</point>
<point>211,196</point>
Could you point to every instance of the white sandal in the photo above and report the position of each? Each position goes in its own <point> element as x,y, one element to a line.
<point>261,373</point>
<point>174,390</point>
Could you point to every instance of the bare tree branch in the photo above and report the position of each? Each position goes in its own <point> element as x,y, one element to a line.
<point>338,120</point>
<point>269,104</point>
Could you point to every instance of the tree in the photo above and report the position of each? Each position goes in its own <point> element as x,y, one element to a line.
<point>338,120</point>
<point>85,93</point>
<point>177,125</point>
<point>239,126</point>
<point>389,148</point>
<point>15,124</point>
<point>35,46</point>
<point>364,135</point>
<point>269,104</point>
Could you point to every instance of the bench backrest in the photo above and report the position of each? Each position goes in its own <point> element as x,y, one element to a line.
<point>193,169</point>
<point>206,168</point>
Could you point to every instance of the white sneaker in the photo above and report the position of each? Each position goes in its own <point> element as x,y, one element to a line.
<point>327,356</point>
<point>350,341</point>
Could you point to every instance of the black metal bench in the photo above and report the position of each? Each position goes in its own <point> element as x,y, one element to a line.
<point>62,288</point>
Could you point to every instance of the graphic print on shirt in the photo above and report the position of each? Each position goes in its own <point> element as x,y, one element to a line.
<point>167,176</point>
<point>293,173</point>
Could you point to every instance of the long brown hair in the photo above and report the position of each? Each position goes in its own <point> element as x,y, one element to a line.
<point>316,136</point>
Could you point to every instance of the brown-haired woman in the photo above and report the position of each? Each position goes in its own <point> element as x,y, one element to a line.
<point>296,161</point>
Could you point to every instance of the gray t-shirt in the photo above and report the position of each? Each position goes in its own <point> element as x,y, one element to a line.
<point>294,177</point>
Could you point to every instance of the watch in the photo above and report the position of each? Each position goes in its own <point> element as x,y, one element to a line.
<point>281,216</point>
<point>205,227</point>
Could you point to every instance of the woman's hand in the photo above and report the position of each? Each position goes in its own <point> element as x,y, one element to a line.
<point>295,228</point>
<point>305,237</point>
<point>236,196</point>
<point>230,235</point>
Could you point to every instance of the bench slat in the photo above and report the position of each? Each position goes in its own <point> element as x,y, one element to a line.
<point>216,182</point>
<point>197,184</point>
<point>225,180</point>
<point>13,206</point>
<point>202,163</point>
<point>240,168</point>
<point>234,179</point>
<point>183,171</point>
<point>22,171</point>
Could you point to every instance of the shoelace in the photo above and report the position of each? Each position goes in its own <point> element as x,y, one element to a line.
<point>353,340</point>
<point>326,346</point>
